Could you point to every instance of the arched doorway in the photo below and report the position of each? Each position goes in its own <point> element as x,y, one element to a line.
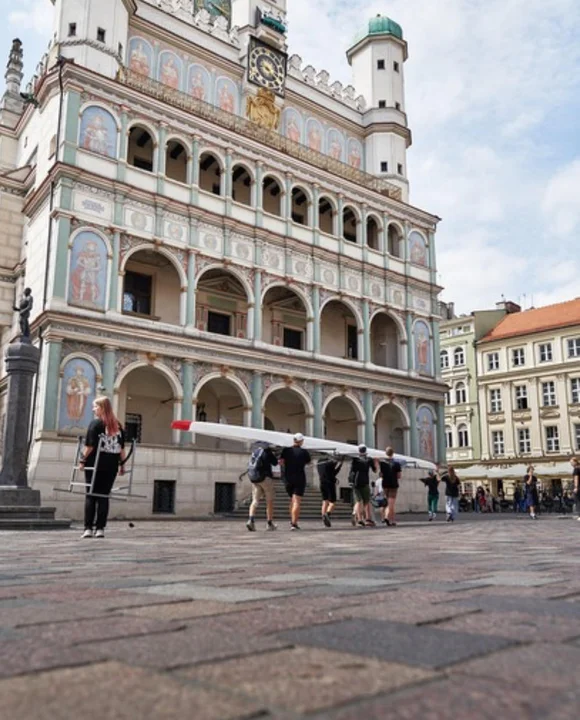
<point>147,405</point>
<point>339,331</point>
<point>152,287</point>
<point>385,345</point>
<point>342,421</point>
<point>221,304</point>
<point>284,319</point>
<point>220,400</point>
<point>285,411</point>
<point>390,426</point>
<point>395,241</point>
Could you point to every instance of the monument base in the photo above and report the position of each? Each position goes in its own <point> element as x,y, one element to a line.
<point>20,509</point>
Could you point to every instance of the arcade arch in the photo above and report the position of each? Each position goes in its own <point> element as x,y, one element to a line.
<point>395,241</point>
<point>141,148</point>
<point>152,287</point>
<point>343,420</point>
<point>326,216</point>
<point>390,427</point>
<point>385,341</point>
<point>222,303</point>
<point>210,174</point>
<point>284,319</point>
<point>241,185</point>
<point>272,195</point>
<point>287,410</point>
<point>339,335</point>
<point>176,161</point>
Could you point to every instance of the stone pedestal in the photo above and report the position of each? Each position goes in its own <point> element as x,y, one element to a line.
<point>20,506</point>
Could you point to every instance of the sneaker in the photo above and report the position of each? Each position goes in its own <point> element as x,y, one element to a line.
<point>430,517</point>
<point>100,534</point>
<point>360,523</point>
<point>271,526</point>
<point>449,518</point>
<point>353,520</point>
<point>370,523</point>
<point>434,516</point>
<point>326,520</point>
<point>251,525</point>
<point>294,526</point>
<point>87,534</point>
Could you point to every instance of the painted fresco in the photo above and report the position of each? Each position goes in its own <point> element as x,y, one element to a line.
<point>422,348</point>
<point>98,132</point>
<point>199,83</point>
<point>292,125</point>
<point>170,70</point>
<point>216,8</point>
<point>88,271</point>
<point>77,394</point>
<point>226,95</point>
<point>140,57</point>
<point>314,135</point>
<point>354,153</point>
<point>418,249</point>
<point>335,144</point>
<point>426,433</point>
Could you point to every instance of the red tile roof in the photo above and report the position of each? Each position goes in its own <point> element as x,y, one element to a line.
<point>532,321</point>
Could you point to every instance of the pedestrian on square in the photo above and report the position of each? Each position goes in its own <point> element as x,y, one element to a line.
<point>516,499</point>
<point>390,471</point>
<point>261,476</point>
<point>104,432</point>
<point>359,477</point>
<point>576,480</point>
<point>531,490</point>
<point>328,470</point>
<point>293,461</point>
<point>451,493</point>
<point>431,482</point>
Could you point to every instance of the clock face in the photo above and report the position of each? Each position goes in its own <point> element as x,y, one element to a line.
<point>267,67</point>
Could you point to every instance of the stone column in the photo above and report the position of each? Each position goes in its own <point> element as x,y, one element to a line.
<point>318,419</point>
<point>412,405</point>
<point>316,213</point>
<point>61,257</point>
<point>257,392</point>
<point>441,447</point>
<point>259,194</point>
<point>114,274</point>
<point>410,344</point>
<point>257,305</point>
<point>187,402</point>
<point>228,183</point>
<point>316,320</point>
<point>190,301</point>
<point>53,349</point>
<point>366,332</point>
<point>109,362</point>
<point>194,195</point>
<point>161,158</point>
<point>123,138</point>
<point>369,424</point>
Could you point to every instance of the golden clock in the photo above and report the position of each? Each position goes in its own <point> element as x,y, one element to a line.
<point>267,67</point>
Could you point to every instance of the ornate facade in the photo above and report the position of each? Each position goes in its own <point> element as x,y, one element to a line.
<point>212,231</point>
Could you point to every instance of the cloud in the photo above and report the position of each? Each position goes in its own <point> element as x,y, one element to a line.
<point>36,15</point>
<point>561,203</point>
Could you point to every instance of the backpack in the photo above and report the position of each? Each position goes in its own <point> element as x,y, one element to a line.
<point>255,465</point>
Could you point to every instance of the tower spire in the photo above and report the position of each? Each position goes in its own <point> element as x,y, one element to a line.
<point>12,103</point>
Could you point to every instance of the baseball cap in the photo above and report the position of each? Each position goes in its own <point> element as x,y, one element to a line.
<point>299,437</point>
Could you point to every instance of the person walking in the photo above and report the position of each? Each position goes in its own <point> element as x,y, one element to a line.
<point>451,493</point>
<point>390,471</point>
<point>431,482</point>
<point>576,480</point>
<point>260,467</point>
<point>328,470</point>
<point>516,499</point>
<point>106,437</point>
<point>293,461</point>
<point>359,477</point>
<point>531,490</point>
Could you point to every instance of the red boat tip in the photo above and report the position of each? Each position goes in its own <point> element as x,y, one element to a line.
<point>181,425</point>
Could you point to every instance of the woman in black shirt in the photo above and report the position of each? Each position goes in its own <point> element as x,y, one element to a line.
<point>531,487</point>
<point>104,432</point>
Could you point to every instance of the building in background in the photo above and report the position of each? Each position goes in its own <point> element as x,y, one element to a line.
<point>214,230</point>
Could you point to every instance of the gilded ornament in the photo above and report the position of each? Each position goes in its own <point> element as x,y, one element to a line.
<point>261,109</point>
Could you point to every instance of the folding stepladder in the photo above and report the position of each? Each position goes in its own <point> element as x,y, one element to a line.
<point>122,493</point>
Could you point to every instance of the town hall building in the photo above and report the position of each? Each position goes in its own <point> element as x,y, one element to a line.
<point>214,230</point>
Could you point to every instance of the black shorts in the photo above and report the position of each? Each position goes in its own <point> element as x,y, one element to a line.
<point>295,486</point>
<point>328,491</point>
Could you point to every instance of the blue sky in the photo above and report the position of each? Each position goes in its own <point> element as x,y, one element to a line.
<point>493,97</point>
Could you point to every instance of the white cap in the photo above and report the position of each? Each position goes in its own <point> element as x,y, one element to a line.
<point>299,437</point>
<point>362,449</point>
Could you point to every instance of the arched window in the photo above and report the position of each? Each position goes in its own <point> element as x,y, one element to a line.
<point>460,394</point>
<point>241,185</point>
<point>140,149</point>
<point>448,437</point>
<point>463,436</point>
<point>325,216</point>
<point>349,225</point>
<point>373,233</point>
<point>444,359</point>
<point>395,241</point>
<point>299,206</point>
<point>458,356</point>
<point>448,397</point>
<point>272,196</point>
<point>210,174</point>
<point>176,161</point>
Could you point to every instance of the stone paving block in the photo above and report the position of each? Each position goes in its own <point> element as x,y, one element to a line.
<point>513,603</point>
<point>397,642</point>
<point>306,679</point>
<point>112,690</point>
<point>207,592</point>
<point>27,655</point>
<point>521,579</point>
<point>183,610</point>
<point>411,611</point>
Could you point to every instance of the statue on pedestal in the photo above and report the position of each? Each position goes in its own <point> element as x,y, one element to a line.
<point>24,310</point>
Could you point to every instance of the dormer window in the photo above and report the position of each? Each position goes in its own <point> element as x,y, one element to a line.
<point>101,35</point>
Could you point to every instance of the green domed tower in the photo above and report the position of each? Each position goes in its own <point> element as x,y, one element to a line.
<point>377,56</point>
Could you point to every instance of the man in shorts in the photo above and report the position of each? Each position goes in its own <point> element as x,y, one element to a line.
<point>263,489</point>
<point>360,470</point>
<point>294,461</point>
<point>576,480</point>
<point>328,470</point>
<point>390,476</point>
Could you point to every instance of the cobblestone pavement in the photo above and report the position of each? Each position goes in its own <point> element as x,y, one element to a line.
<point>164,621</point>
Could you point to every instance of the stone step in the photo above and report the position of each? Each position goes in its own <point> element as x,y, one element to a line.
<point>310,510</point>
<point>34,524</point>
<point>26,512</point>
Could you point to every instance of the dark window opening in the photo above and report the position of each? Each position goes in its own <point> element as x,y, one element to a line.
<point>380,64</point>
<point>218,323</point>
<point>396,66</point>
<point>164,496</point>
<point>143,164</point>
<point>133,427</point>
<point>352,342</point>
<point>399,168</point>
<point>384,167</point>
<point>298,218</point>
<point>101,35</point>
<point>224,498</point>
<point>215,188</point>
<point>397,106</point>
<point>293,339</point>
<point>382,103</point>
<point>120,50</point>
<point>72,29</point>
<point>137,293</point>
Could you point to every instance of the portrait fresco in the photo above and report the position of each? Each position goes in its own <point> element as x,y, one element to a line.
<point>426,432</point>
<point>335,144</point>
<point>314,135</point>
<point>355,153</point>
<point>78,387</point>
<point>292,125</point>
<point>170,69</point>
<point>88,271</point>
<point>98,132</point>
<point>226,95</point>
<point>140,56</point>
<point>418,249</point>
<point>422,348</point>
<point>199,83</point>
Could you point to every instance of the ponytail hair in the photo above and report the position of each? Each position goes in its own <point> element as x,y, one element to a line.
<point>107,415</point>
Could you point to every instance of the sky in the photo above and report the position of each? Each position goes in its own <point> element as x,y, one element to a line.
<point>493,101</point>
